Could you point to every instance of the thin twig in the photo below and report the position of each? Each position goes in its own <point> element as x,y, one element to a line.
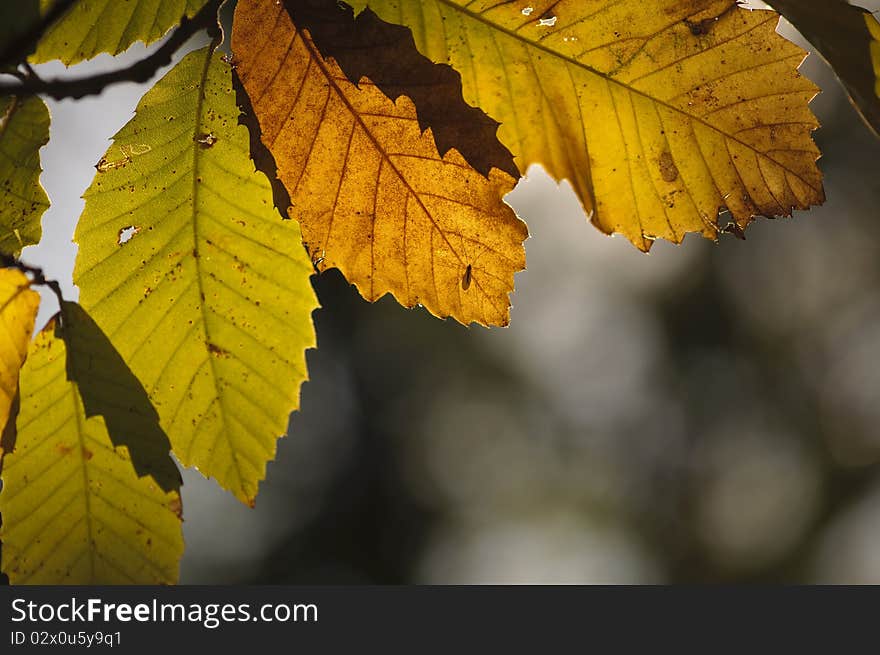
<point>140,71</point>
<point>37,275</point>
<point>29,72</point>
<point>17,74</point>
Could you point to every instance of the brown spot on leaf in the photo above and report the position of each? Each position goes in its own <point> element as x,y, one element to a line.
<point>105,165</point>
<point>668,169</point>
<point>700,27</point>
<point>217,351</point>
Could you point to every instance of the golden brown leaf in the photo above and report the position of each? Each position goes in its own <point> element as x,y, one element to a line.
<point>610,93</point>
<point>372,194</point>
<point>367,46</point>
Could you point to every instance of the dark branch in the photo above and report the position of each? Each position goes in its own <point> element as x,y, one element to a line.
<point>37,276</point>
<point>17,51</point>
<point>140,71</point>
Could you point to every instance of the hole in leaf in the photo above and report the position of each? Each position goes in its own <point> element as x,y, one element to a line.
<point>206,140</point>
<point>126,234</point>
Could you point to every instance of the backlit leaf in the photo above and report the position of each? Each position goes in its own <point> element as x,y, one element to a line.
<point>91,27</point>
<point>367,46</point>
<point>201,286</point>
<point>75,509</point>
<point>18,309</point>
<point>848,37</point>
<point>374,197</point>
<point>24,129</point>
<point>659,112</point>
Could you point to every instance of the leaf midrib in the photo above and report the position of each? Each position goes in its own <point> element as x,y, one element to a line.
<point>316,56</point>
<point>197,152</point>
<point>586,67</point>
<point>79,412</point>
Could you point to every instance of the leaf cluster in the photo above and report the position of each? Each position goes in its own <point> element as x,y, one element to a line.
<point>379,139</point>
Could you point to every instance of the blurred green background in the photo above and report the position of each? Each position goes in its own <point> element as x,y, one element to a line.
<point>705,413</point>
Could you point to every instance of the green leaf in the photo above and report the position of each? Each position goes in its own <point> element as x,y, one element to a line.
<point>24,129</point>
<point>200,285</point>
<point>16,19</point>
<point>75,508</point>
<point>95,26</point>
<point>848,38</point>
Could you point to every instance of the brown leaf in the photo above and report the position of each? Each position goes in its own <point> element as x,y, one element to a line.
<point>372,193</point>
<point>369,47</point>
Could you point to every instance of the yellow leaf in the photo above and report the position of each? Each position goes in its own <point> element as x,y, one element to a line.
<point>370,190</point>
<point>18,309</point>
<point>76,509</point>
<point>659,112</point>
<point>874,30</point>
<point>201,286</point>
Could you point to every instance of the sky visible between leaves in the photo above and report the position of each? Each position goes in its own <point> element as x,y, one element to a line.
<point>579,308</point>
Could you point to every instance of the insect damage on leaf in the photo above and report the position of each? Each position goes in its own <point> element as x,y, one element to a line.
<point>373,195</point>
<point>205,140</point>
<point>600,95</point>
<point>126,234</point>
